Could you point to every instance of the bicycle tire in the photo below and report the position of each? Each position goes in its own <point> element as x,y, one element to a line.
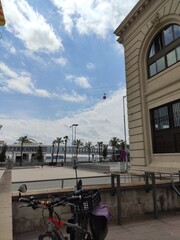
<point>80,235</point>
<point>47,236</point>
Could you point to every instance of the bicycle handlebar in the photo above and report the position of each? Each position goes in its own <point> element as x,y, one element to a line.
<point>35,203</point>
<point>30,200</point>
<point>73,200</point>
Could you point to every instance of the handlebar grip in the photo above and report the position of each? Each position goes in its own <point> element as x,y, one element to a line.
<point>75,198</point>
<point>67,200</point>
<point>25,200</point>
<point>78,192</point>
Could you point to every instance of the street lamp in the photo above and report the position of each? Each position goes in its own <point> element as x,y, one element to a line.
<point>74,158</point>
<point>75,125</point>
<point>125,132</point>
<point>72,133</point>
<point>72,126</point>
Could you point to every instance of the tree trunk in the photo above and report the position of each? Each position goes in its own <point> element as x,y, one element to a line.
<point>65,152</point>
<point>89,156</point>
<point>57,153</point>
<point>21,158</point>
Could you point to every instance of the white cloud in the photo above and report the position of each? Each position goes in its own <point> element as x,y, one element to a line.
<point>101,123</point>
<point>93,16</point>
<point>12,50</point>
<point>8,46</point>
<point>60,61</point>
<point>73,97</point>
<point>90,66</point>
<point>14,81</point>
<point>34,56</point>
<point>81,81</point>
<point>29,26</point>
<point>21,82</point>
<point>43,93</point>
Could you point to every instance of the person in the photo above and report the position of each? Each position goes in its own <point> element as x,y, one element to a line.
<point>123,155</point>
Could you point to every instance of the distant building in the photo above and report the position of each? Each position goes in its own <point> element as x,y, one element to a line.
<point>150,35</point>
<point>29,152</point>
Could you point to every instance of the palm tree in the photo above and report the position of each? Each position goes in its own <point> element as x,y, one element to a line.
<point>66,139</point>
<point>100,145</point>
<point>105,151</point>
<point>39,154</point>
<point>3,153</point>
<point>114,142</point>
<point>88,146</point>
<point>22,140</point>
<point>52,153</point>
<point>77,143</point>
<point>58,141</point>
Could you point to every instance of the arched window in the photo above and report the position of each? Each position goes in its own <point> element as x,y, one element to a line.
<point>164,50</point>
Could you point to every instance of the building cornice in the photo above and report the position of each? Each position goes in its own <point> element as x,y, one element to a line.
<point>131,17</point>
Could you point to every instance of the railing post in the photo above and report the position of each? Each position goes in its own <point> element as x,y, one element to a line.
<point>113,184</point>
<point>154,195</point>
<point>119,200</point>
<point>62,183</point>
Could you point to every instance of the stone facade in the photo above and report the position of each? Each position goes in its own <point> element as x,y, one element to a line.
<point>136,33</point>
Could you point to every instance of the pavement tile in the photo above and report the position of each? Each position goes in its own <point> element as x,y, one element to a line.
<point>139,230</point>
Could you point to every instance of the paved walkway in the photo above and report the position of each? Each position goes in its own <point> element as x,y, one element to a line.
<point>45,173</point>
<point>165,228</point>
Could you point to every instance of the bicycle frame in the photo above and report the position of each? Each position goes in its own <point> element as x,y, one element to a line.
<point>54,226</point>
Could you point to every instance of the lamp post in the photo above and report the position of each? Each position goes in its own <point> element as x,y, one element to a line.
<point>74,158</point>
<point>126,165</point>
<point>73,133</point>
<point>73,126</point>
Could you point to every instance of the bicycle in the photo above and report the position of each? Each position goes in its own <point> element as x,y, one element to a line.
<point>88,212</point>
<point>54,226</point>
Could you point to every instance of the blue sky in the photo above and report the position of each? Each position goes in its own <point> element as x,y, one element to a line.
<point>58,58</point>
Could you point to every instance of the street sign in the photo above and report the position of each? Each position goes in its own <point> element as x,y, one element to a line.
<point>2,19</point>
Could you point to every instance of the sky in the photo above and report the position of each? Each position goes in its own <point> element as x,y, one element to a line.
<point>57,60</point>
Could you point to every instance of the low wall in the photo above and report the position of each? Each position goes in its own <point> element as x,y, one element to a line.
<point>6,206</point>
<point>135,202</point>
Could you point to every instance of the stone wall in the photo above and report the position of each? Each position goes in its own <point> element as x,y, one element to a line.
<point>135,202</point>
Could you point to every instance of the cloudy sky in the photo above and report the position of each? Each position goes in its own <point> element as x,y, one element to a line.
<point>58,58</point>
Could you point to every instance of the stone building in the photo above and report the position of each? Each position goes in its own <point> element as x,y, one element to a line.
<point>150,35</point>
